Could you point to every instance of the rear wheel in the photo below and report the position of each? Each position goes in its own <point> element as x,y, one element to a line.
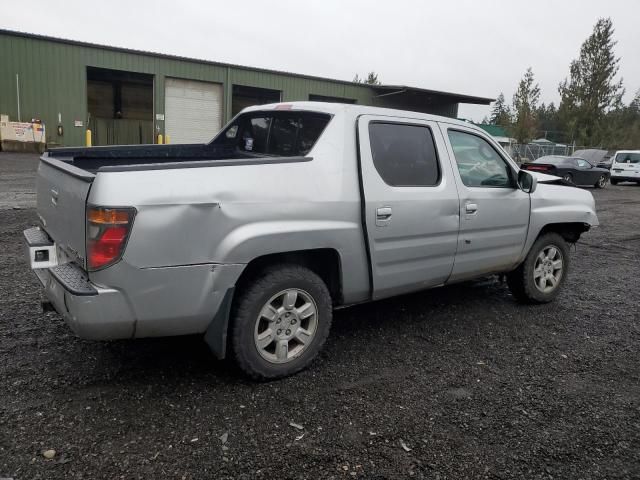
<point>540,277</point>
<point>602,181</point>
<point>567,177</point>
<point>280,322</point>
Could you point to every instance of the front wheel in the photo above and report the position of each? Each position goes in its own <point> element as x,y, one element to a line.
<point>280,321</point>
<point>540,277</point>
<point>602,182</point>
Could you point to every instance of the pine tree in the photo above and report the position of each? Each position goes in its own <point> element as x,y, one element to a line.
<point>635,103</point>
<point>591,89</point>
<point>622,126</point>
<point>500,113</point>
<point>371,79</point>
<point>548,125</point>
<point>525,102</point>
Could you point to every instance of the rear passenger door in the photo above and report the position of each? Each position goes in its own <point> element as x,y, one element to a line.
<point>494,212</point>
<point>411,204</point>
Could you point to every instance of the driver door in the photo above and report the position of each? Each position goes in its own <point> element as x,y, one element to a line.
<point>585,173</point>
<point>494,212</point>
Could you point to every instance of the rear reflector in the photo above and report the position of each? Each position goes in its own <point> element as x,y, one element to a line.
<point>107,233</point>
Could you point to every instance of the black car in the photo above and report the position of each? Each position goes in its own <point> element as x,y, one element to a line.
<point>576,171</point>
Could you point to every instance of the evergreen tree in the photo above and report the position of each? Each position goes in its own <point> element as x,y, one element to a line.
<point>500,113</point>
<point>622,126</point>
<point>548,124</point>
<point>635,103</point>
<point>371,79</point>
<point>525,102</point>
<point>591,89</point>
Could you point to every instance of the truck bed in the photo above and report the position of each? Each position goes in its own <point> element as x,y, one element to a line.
<point>96,159</point>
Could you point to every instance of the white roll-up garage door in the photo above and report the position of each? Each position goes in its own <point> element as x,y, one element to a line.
<point>193,110</point>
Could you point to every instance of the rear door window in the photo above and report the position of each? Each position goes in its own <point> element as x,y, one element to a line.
<point>404,155</point>
<point>628,158</point>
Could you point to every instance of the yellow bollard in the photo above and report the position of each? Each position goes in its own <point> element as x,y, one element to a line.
<point>166,139</point>
<point>88,138</point>
<point>159,139</point>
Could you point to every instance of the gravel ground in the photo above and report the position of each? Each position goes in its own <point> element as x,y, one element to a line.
<point>458,382</point>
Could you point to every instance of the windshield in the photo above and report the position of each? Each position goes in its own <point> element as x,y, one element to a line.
<point>628,157</point>
<point>277,133</point>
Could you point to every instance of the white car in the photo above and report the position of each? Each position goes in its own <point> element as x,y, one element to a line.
<point>626,167</point>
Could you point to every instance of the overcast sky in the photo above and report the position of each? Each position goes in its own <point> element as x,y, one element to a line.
<point>473,47</point>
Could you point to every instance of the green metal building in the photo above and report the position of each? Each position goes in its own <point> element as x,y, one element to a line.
<point>127,96</point>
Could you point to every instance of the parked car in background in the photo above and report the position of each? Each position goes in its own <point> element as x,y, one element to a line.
<point>576,171</point>
<point>626,167</point>
<point>293,209</point>
<point>599,158</point>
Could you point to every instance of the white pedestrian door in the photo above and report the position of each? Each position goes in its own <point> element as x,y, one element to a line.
<point>193,110</point>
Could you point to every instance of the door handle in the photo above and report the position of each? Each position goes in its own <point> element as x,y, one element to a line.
<point>383,216</point>
<point>471,208</point>
<point>384,213</point>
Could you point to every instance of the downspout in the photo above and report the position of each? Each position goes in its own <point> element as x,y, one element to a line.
<point>18,95</point>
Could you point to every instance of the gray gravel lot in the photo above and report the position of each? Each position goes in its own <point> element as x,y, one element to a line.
<point>458,382</point>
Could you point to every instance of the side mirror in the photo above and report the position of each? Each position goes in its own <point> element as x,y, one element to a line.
<point>527,182</point>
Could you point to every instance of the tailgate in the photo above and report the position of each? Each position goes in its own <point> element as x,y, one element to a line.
<point>62,191</point>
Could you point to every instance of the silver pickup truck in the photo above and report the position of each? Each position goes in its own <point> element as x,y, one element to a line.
<point>291,211</point>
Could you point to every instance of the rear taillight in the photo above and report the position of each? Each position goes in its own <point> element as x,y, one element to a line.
<point>537,168</point>
<point>107,233</point>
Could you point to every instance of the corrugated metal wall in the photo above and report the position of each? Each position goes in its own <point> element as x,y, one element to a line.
<point>53,83</point>
<point>52,77</point>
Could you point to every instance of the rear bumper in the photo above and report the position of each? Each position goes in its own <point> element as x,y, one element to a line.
<point>123,301</point>
<point>91,312</point>
<point>625,177</point>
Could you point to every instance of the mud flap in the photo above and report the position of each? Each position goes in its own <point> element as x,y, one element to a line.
<point>216,334</point>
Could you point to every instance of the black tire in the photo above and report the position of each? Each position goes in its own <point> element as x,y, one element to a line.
<point>602,181</point>
<point>567,177</point>
<point>521,280</point>
<point>613,181</point>
<point>255,295</point>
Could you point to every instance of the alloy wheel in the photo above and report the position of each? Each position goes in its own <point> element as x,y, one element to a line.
<point>602,181</point>
<point>286,325</point>
<point>548,269</point>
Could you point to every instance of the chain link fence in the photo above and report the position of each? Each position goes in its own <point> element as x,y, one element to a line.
<point>529,152</point>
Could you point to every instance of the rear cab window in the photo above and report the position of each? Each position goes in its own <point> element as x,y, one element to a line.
<point>274,133</point>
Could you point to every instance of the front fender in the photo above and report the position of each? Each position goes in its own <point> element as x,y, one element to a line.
<point>558,204</point>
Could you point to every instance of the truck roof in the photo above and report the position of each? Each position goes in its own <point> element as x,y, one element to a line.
<point>355,110</point>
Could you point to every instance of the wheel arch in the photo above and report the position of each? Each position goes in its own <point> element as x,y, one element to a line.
<point>325,262</point>
<point>570,231</point>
